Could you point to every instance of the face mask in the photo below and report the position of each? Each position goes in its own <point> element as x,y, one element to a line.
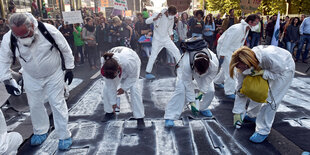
<point>170,17</point>
<point>26,41</point>
<point>254,28</point>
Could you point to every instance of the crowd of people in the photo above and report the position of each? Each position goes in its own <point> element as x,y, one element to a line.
<point>213,54</point>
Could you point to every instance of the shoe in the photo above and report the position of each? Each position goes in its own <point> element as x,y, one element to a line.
<point>149,76</point>
<point>304,61</point>
<point>141,124</point>
<point>206,113</point>
<point>108,117</point>
<point>305,153</point>
<point>169,123</point>
<point>231,96</point>
<point>250,119</point>
<point>237,121</point>
<point>65,144</point>
<point>219,86</point>
<point>258,138</point>
<point>38,139</point>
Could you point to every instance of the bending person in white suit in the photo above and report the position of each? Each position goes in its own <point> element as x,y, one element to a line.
<point>9,142</point>
<point>275,65</point>
<point>201,66</point>
<point>120,71</point>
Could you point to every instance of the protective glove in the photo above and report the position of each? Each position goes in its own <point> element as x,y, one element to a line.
<point>69,76</point>
<point>199,96</point>
<point>256,73</point>
<point>194,110</point>
<point>237,120</point>
<point>12,87</point>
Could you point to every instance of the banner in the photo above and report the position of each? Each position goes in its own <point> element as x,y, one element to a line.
<point>72,17</point>
<point>181,5</point>
<point>120,4</point>
<point>276,32</point>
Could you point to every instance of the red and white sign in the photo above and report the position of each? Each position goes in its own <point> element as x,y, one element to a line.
<point>120,4</point>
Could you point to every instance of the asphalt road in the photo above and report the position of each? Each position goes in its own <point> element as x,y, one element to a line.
<point>192,135</point>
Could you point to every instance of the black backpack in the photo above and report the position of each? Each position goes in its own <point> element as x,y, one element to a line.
<point>47,36</point>
<point>194,46</point>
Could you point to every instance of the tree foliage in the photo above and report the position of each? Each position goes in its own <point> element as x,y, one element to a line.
<point>267,7</point>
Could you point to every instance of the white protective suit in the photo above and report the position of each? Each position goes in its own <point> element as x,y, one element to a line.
<point>43,76</point>
<point>279,68</point>
<point>130,65</point>
<point>184,89</point>
<point>163,29</point>
<point>9,142</point>
<point>232,39</point>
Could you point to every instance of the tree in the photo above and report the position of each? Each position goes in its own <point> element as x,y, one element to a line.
<point>224,6</point>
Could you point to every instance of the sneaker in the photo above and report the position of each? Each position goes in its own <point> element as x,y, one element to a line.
<point>258,138</point>
<point>231,96</point>
<point>219,86</point>
<point>250,119</point>
<point>141,124</point>
<point>206,113</point>
<point>169,123</point>
<point>149,76</point>
<point>65,144</point>
<point>237,121</point>
<point>108,117</point>
<point>38,139</point>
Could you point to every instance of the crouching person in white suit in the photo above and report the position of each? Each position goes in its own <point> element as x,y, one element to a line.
<point>121,70</point>
<point>275,65</point>
<point>202,66</point>
<point>9,142</point>
<point>42,73</point>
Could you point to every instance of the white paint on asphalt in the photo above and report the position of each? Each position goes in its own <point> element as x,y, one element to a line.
<point>130,140</point>
<point>283,108</point>
<point>299,122</point>
<point>95,75</point>
<point>299,93</point>
<point>111,139</point>
<point>89,102</point>
<point>86,130</point>
<point>165,140</point>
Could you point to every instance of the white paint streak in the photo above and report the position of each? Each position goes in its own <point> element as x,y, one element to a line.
<point>299,123</point>
<point>301,97</point>
<point>87,130</point>
<point>111,139</point>
<point>95,75</point>
<point>283,108</point>
<point>130,140</point>
<point>165,140</point>
<point>89,101</point>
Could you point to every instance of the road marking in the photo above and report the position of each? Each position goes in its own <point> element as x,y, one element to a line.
<point>301,73</point>
<point>95,75</point>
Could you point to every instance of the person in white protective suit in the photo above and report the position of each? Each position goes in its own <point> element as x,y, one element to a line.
<point>120,71</point>
<point>232,39</point>
<point>42,74</point>
<point>201,66</point>
<point>275,65</point>
<point>162,38</point>
<point>9,142</point>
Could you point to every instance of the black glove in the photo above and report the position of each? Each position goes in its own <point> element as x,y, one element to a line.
<point>69,76</point>
<point>10,89</point>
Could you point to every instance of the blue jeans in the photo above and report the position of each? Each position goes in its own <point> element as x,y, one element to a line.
<point>255,39</point>
<point>290,46</point>
<point>303,38</point>
<point>197,35</point>
<point>80,50</point>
